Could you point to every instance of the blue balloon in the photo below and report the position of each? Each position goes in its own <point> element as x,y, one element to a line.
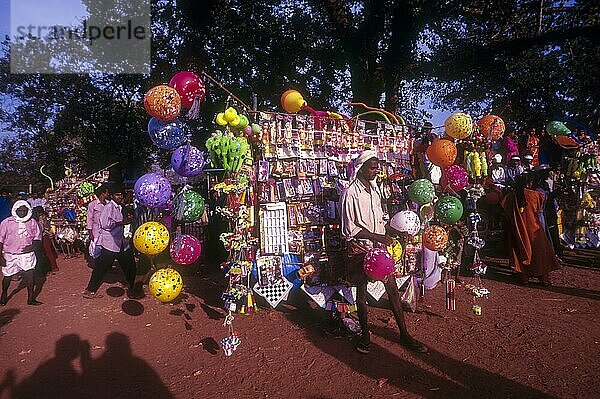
<point>187,161</point>
<point>166,135</point>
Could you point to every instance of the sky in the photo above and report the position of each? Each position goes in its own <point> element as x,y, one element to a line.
<point>67,12</point>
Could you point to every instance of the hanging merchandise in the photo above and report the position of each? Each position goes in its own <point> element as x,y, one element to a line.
<point>448,209</point>
<point>228,151</point>
<point>491,127</point>
<point>163,103</point>
<point>166,135</point>
<point>459,126</point>
<point>406,222</point>
<point>191,89</point>
<point>435,238</point>
<point>378,264</point>
<point>442,153</point>
<point>188,206</point>
<point>152,190</point>
<point>151,238</point>
<point>185,249</point>
<point>455,177</point>
<point>421,191</point>
<point>165,284</point>
<point>187,161</point>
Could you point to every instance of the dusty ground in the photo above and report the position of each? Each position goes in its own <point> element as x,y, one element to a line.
<point>530,342</point>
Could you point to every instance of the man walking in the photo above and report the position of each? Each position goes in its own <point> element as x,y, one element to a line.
<point>93,218</point>
<point>113,245</point>
<point>20,234</point>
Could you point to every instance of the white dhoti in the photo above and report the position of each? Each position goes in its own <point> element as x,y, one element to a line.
<point>16,263</point>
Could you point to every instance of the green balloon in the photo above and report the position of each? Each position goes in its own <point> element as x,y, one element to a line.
<point>556,128</point>
<point>448,209</point>
<point>421,191</point>
<point>188,206</point>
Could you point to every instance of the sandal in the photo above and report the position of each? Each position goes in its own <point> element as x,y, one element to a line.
<point>414,346</point>
<point>92,295</point>
<point>363,348</point>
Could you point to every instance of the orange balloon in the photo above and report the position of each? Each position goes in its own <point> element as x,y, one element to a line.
<point>292,101</point>
<point>435,238</point>
<point>442,153</point>
<point>163,103</point>
<point>493,122</point>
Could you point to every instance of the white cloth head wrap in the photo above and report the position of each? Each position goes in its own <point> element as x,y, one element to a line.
<point>359,161</point>
<point>22,228</point>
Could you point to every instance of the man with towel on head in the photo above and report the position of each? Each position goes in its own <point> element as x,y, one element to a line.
<point>363,227</point>
<point>19,235</point>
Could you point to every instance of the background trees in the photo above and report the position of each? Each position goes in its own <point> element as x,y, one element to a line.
<point>525,60</point>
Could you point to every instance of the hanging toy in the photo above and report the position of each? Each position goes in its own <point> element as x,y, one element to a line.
<point>484,164</point>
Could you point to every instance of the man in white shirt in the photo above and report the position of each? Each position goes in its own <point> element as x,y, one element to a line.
<point>363,227</point>
<point>113,245</point>
<point>93,218</point>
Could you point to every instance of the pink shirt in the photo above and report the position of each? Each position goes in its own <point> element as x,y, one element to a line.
<point>93,216</point>
<point>15,243</point>
<point>111,236</point>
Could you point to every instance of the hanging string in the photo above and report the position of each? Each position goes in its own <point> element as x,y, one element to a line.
<point>216,82</point>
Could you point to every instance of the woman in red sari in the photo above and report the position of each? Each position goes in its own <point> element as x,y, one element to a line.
<point>530,253</point>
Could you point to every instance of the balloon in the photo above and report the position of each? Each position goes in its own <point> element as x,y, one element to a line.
<point>185,249</point>
<point>152,190</point>
<point>230,114</point>
<point>456,177</point>
<point>248,131</point>
<point>448,209</point>
<point>421,191</point>
<point>165,284</point>
<point>187,161</point>
<point>557,128</point>
<point>459,126</point>
<point>243,121</point>
<point>188,206</point>
<point>151,238</point>
<point>163,103</point>
<point>292,101</point>
<point>442,153</point>
<point>435,238</point>
<point>378,264</point>
<point>220,119</point>
<point>493,122</point>
<point>406,221</point>
<point>395,250</point>
<point>166,135</point>
<point>188,86</point>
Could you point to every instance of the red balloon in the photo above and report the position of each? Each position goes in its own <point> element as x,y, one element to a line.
<point>189,86</point>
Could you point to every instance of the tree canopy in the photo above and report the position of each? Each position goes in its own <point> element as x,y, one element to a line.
<point>527,61</point>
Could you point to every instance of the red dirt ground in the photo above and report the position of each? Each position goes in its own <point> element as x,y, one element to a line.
<point>530,342</point>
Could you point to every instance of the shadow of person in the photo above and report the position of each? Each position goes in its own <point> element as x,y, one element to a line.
<point>476,382</point>
<point>452,379</point>
<point>6,316</point>
<point>55,378</point>
<point>117,373</point>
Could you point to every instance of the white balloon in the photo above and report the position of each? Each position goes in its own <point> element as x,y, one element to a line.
<point>406,221</point>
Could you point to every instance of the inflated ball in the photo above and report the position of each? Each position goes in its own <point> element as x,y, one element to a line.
<point>165,284</point>
<point>151,238</point>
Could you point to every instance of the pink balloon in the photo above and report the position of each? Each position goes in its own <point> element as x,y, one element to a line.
<point>456,177</point>
<point>185,249</point>
<point>248,130</point>
<point>378,264</point>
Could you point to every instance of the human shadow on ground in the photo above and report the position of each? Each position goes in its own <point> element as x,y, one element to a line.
<point>450,379</point>
<point>116,373</point>
<point>6,316</point>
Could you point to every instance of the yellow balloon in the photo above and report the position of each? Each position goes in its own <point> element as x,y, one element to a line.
<point>165,284</point>
<point>459,126</point>
<point>395,250</point>
<point>235,122</point>
<point>151,238</point>
<point>220,119</point>
<point>230,114</point>
<point>292,101</point>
